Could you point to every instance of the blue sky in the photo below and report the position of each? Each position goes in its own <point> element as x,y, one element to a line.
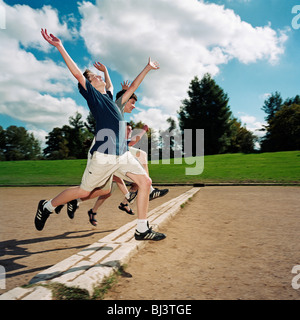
<point>249,46</point>
<point>247,84</point>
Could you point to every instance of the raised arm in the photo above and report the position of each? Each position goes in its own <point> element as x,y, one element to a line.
<point>152,65</point>
<point>101,67</point>
<point>68,60</point>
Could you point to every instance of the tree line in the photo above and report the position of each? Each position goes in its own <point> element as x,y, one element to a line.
<point>206,107</point>
<point>283,124</point>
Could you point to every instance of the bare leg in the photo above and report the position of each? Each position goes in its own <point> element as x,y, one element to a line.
<point>100,201</point>
<point>68,195</point>
<point>96,193</point>
<point>144,183</point>
<point>122,186</point>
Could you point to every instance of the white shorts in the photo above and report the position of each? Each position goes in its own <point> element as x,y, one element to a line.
<point>134,151</point>
<point>101,167</point>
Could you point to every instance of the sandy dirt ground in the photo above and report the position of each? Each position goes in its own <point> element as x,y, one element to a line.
<point>24,251</point>
<point>226,243</point>
<point>232,243</point>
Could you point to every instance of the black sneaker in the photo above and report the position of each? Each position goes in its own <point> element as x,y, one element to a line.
<point>132,196</point>
<point>58,208</point>
<point>41,215</point>
<point>149,235</point>
<point>157,193</point>
<point>71,208</point>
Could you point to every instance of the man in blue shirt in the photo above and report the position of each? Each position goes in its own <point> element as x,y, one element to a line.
<point>109,154</point>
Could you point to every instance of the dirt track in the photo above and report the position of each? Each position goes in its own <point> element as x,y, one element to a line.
<point>24,251</point>
<point>227,243</point>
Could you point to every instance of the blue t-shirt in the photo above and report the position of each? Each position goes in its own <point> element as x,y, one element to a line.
<point>110,125</point>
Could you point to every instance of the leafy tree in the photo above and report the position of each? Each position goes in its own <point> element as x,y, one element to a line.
<point>207,108</point>
<point>2,144</point>
<point>57,141</point>
<point>18,144</point>
<point>172,124</point>
<point>91,123</point>
<point>272,105</point>
<point>76,137</point>
<point>290,101</point>
<point>69,142</point>
<point>283,131</point>
<point>242,140</point>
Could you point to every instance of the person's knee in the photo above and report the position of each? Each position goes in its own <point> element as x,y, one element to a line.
<point>145,182</point>
<point>83,193</point>
<point>142,180</point>
<point>107,194</point>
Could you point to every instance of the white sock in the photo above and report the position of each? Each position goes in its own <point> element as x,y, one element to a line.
<point>127,196</point>
<point>142,225</point>
<point>78,201</point>
<point>151,189</point>
<point>48,206</point>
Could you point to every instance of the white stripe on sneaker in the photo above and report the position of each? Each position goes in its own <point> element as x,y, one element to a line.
<point>39,215</point>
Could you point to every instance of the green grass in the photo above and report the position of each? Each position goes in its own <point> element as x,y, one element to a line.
<point>280,167</point>
<point>283,167</point>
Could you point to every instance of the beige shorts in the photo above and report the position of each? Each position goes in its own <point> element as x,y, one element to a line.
<point>134,151</point>
<point>101,167</point>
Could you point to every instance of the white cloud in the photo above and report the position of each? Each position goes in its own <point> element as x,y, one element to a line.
<point>23,24</point>
<point>248,119</point>
<point>253,125</point>
<point>39,134</point>
<point>42,111</point>
<point>153,117</point>
<point>26,82</point>
<point>188,38</point>
<point>265,96</point>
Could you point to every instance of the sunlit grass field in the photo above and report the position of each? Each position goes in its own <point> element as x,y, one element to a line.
<point>278,167</point>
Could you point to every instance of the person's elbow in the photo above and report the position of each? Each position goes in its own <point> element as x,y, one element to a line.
<point>80,78</point>
<point>109,88</point>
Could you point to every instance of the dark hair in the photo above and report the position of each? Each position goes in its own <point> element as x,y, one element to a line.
<point>120,93</point>
<point>86,74</point>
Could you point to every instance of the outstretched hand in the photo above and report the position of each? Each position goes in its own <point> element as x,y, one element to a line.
<point>99,66</point>
<point>125,85</point>
<point>51,39</point>
<point>153,64</point>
